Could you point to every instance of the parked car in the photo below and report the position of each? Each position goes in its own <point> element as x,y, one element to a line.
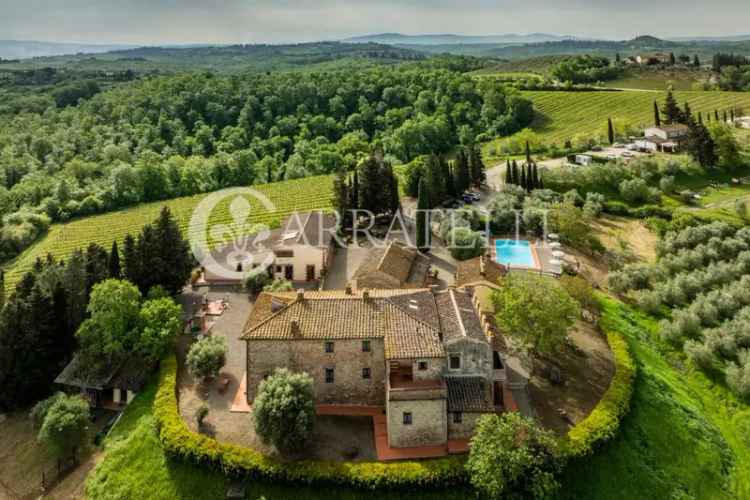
<point>468,199</point>
<point>473,195</point>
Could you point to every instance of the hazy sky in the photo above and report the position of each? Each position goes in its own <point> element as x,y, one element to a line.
<point>232,21</point>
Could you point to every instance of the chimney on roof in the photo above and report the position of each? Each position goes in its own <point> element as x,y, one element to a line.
<point>348,290</point>
<point>365,294</point>
<point>300,295</point>
<point>295,328</point>
<point>276,305</point>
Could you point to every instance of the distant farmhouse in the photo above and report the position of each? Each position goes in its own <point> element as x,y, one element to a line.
<point>665,139</point>
<point>396,266</point>
<point>300,250</point>
<point>430,358</point>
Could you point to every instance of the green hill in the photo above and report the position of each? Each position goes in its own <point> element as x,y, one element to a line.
<point>62,239</point>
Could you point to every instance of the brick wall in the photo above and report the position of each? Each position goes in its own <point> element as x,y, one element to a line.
<point>428,426</point>
<point>309,356</point>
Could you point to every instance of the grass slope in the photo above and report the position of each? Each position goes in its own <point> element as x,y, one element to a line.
<point>135,465</point>
<point>686,437</point>
<point>62,239</point>
<point>562,115</point>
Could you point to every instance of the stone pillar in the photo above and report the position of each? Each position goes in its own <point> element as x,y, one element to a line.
<point>116,396</point>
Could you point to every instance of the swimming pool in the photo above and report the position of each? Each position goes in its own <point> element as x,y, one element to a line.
<point>514,253</point>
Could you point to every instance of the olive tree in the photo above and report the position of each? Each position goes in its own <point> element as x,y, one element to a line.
<point>62,421</point>
<point>206,357</point>
<point>512,455</point>
<point>284,410</point>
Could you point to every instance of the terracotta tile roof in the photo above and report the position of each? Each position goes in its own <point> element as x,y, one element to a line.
<point>396,266</point>
<point>479,269</point>
<point>468,394</point>
<point>338,315</point>
<point>458,318</point>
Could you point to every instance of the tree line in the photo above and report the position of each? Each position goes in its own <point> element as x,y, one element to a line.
<point>41,318</point>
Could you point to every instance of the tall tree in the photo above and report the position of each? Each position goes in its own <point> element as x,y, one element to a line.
<point>508,174</point>
<point>671,111</point>
<point>96,266</point>
<point>435,182</point>
<point>657,117</point>
<point>423,205</point>
<point>463,174</point>
<point>610,131</point>
<point>132,267</point>
<point>716,114</point>
<point>115,270</point>
<point>476,166</point>
<point>354,202</point>
<point>341,194</point>
<point>700,144</point>
<point>524,179</point>
<point>528,153</point>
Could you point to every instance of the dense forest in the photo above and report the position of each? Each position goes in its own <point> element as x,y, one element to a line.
<point>83,150</point>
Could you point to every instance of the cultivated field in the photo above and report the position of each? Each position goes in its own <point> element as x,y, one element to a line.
<point>62,239</point>
<point>563,115</point>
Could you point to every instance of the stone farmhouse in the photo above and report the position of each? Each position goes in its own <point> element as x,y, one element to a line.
<point>300,250</point>
<point>396,266</point>
<point>424,357</point>
<point>666,138</point>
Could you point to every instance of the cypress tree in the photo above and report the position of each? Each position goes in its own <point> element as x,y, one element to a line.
<point>516,176</point>
<point>700,117</point>
<point>174,253</point>
<point>672,112</point>
<point>115,271</point>
<point>716,114</point>
<point>535,183</point>
<point>725,116</point>
<point>657,117</point>
<point>74,279</point>
<point>132,268</point>
<point>341,195</point>
<point>354,191</point>
<point>2,288</point>
<point>524,183</point>
<point>422,215</point>
<point>687,113</point>
<point>528,153</point>
<point>610,131</point>
<point>508,174</point>
<point>450,187</point>
<point>96,266</point>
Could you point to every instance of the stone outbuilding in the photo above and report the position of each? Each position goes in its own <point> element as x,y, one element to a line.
<point>395,266</point>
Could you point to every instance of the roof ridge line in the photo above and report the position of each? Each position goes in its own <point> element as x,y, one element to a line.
<point>458,313</point>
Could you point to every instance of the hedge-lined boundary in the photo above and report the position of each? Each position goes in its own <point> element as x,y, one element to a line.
<point>182,443</point>
<point>603,422</point>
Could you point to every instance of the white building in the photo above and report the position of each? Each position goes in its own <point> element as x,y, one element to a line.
<point>666,138</point>
<point>300,250</point>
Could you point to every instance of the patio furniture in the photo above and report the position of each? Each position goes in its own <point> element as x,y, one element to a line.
<point>553,236</point>
<point>558,254</point>
<point>555,262</point>
<point>555,244</point>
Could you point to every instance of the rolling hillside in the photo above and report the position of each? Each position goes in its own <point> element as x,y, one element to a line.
<point>562,115</point>
<point>62,239</point>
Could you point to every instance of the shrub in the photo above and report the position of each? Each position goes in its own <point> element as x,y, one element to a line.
<point>201,413</point>
<point>465,244</point>
<point>667,184</point>
<point>637,191</point>
<point>738,375</point>
<point>700,354</point>
<point>279,285</point>
<point>206,357</point>
<point>511,454</point>
<point>255,281</point>
<point>582,291</point>
<point>284,410</point>
<point>594,205</point>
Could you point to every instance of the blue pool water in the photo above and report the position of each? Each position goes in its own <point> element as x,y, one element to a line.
<point>514,253</point>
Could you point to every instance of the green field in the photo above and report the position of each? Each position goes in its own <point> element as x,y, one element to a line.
<point>62,239</point>
<point>563,115</point>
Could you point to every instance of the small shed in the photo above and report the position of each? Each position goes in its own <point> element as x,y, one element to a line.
<point>113,387</point>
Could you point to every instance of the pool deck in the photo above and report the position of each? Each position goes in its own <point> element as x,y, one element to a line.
<point>540,252</point>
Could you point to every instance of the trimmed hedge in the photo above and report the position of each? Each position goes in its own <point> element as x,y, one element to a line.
<point>182,443</point>
<point>603,422</point>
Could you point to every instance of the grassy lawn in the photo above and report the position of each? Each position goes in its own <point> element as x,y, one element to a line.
<point>686,436</point>
<point>136,467</point>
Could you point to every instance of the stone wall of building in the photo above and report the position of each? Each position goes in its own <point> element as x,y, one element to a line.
<point>465,429</point>
<point>434,371</point>
<point>476,358</point>
<point>347,360</point>
<point>428,427</point>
